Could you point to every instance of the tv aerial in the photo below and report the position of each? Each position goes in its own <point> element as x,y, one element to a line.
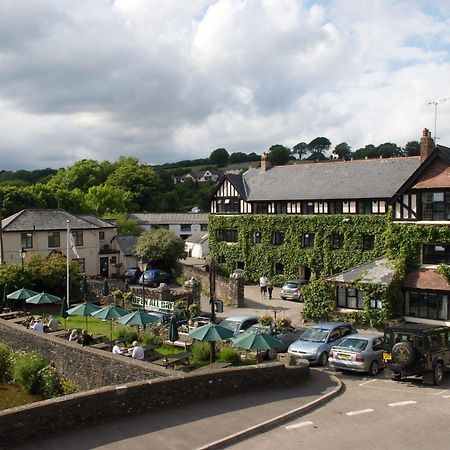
<point>436,103</point>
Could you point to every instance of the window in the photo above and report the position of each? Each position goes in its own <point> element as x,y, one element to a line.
<point>436,205</point>
<point>81,264</point>
<point>260,208</point>
<point>278,238</point>
<point>53,239</point>
<point>335,207</point>
<point>78,238</point>
<point>228,205</point>
<point>204,227</point>
<point>101,235</point>
<point>375,303</point>
<point>227,235</point>
<point>26,240</point>
<point>257,237</point>
<point>426,305</point>
<point>278,268</point>
<point>349,298</point>
<point>281,208</point>
<point>377,344</point>
<point>337,241</point>
<point>240,265</point>
<point>436,254</point>
<point>308,239</point>
<point>185,227</point>
<point>368,242</point>
<point>364,207</point>
<point>307,207</point>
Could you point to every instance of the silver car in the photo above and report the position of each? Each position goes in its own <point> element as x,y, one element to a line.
<point>291,290</point>
<point>359,353</point>
<point>316,342</point>
<point>238,324</point>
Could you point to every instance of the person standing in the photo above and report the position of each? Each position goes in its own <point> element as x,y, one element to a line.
<point>263,286</point>
<point>270,289</point>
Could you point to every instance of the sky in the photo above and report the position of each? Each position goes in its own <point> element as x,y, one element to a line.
<point>166,80</point>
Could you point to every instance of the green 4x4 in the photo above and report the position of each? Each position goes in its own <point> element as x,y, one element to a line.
<point>417,349</point>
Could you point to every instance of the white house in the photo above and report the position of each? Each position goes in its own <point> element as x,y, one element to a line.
<point>197,245</point>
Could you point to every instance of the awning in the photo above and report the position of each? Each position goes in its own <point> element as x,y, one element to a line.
<point>426,279</point>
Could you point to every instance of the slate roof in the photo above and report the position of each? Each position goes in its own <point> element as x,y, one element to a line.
<point>197,238</point>
<point>371,178</point>
<point>379,271</point>
<point>126,244</point>
<point>50,219</point>
<point>97,221</point>
<point>170,218</point>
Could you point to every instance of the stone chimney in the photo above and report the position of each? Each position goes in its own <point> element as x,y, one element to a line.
<point>265,162</point>
<point>426,145</point>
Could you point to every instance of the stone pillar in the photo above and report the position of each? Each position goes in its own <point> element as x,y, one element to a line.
<point>164,292</point>
<point>236,289</point>
<point>194,288</point>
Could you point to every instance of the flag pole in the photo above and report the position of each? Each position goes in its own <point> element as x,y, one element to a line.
<point>68,267</point>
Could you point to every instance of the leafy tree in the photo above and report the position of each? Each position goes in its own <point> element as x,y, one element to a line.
<point>220,157</point>
<point>125,226</point>
<point>160,247</point>
<point>412,148</point>
<point>316,156</point>
<point>369,151</point>
<point>237,157</point>
<point>279,154</point>
<point>342,150</point>
<point>389,150</point>
<point>15,199</point>
<point>301,149</point>
<point>319,145</point>
<point>107,199</point>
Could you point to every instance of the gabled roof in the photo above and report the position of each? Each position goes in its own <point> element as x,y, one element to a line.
<point>170,218</point>
<point>379,271</point>
<point>51,219</point>
<point>197,238</point>
<point>126,244</point>
<point>97,221</point>
<point>371,178</point>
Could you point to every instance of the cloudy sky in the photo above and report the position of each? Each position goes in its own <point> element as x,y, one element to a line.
<point>166,80</point>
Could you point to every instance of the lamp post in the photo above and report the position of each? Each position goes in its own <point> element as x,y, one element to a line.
<point>143,267</point>
<point>22,254</point>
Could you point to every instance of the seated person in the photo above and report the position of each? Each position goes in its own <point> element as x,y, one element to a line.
<point>116,349</point>
<point>52,324</point>
<point>38,326</point>
<point>85,338</point>
<point>73,336</point>
<point>138,351</point>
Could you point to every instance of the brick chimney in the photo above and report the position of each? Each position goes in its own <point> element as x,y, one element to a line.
<point>426,145</point>
<point>265,162</point>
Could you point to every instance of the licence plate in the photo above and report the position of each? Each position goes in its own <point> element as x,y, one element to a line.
<point>344,356</point>
<point>387,356</point>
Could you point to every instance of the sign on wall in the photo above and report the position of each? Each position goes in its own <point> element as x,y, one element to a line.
<point>154,304</point>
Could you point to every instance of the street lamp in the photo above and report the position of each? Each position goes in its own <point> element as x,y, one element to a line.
<point>22,254</point>
<point>143,267</point>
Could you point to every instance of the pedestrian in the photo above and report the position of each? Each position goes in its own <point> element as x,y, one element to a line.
<point>270,289</point>
<point>263,286</point>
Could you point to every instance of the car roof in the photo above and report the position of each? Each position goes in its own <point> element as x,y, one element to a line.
<point>240,318</point>
<point>366,336</point>
<point>299,280</point>
<point>421,327</point>
<point>329,325</point>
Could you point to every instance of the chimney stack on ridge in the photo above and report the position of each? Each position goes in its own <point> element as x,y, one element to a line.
<point>426,145</point>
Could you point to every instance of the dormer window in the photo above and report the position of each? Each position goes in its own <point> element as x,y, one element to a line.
<point>436,205</point>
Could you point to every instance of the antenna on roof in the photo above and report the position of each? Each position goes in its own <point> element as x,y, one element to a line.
<point>436,103</point>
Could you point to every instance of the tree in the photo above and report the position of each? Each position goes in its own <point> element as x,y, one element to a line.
<point>300,149</point>
<point>279,154</point>
<point>389,150</point>
<point>107,199</point>
<point>342,150</point>
<point>219,156</point>
<point>238,157</point>
<point>319,145</point>
<point>412,148</point>
<point>316,156</point>
<point>160,247</point>
<point>369,151</point>
<point>125,225</point>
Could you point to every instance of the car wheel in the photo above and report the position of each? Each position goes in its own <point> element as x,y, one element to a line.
<point>396,376</point>
<point>374,368</point>
<point>403,353</point>
<point>438,374</point>
<point>323,359</point>
<point>283,298</point>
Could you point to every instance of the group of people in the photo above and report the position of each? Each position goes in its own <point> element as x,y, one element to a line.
<point>36,324</point>
<point>84,338</point>
<point>266,287</point>
<point>136,352</point>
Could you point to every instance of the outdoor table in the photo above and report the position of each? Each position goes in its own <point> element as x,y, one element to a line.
<point>10,315</point>
<point>101,346</point>
<point>98,338</point>
<point>182,358</point>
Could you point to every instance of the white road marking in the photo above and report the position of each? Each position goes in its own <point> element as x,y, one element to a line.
<point>446,396</point>
<point>362,411</point>
<point>300,425</point>
<point>440,392</point>
<point>367,382</point>
<point>407,402</point>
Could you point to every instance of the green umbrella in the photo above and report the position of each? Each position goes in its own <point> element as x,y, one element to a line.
<point>211,333</point>
<point>43,299</point>
<point>105,288</point>
<point>173,332</point>
<point>21,294</point>
<point>139,317</point>
<point>85,309</point>
<point>110,312</point>
<point>257,341</point>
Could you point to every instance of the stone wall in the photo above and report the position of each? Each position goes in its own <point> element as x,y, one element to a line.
<point>88,367</point>
<point>113,403</point>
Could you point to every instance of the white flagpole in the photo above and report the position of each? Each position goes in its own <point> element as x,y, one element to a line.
<point>68,266</point>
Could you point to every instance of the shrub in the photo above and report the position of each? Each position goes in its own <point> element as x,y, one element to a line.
<point>26,367</point>
<point>127,334</point>
<point>283,324</point>
<point>230,355</point>
<point>194,310</point>
<point>181,308</point>
<point>49,382</point>
<point>149,338</point>
<point>265,320</point>
<point>5,363</point>
<point>68,386</point>
<point>201,351</point>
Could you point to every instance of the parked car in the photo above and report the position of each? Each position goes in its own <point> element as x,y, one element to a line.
<point>316,342</point>
<point>238,324</point>
<point>359,353</point>
<point>291,290</point>
<point>154,277</point>
<point>419,350</point>
<point>287,337</point>
<point>132,275</point>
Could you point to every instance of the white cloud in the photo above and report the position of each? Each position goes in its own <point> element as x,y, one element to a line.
<point>175,80</point>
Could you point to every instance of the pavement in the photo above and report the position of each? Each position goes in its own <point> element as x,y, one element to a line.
<point>205,424</point>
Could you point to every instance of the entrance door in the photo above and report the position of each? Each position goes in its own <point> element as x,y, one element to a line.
<point>104,267</point>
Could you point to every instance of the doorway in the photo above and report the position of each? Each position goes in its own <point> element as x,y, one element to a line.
<point>104,267</point>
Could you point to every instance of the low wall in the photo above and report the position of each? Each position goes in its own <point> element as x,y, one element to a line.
<point>113,403</point>
<point>87,367</point>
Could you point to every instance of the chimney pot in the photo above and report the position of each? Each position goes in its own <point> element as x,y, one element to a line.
<point>426,145</point>
<point>265,162</point>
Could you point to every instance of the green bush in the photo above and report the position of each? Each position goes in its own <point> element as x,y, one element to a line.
<point>127,334</point>
<point>230,355</point>
<point>147,337</point>
<point>194,310</point>
<point>5,363</point>
<point>181,309</point>
<point>201,351</point>
<point>26,368</point>
<point>50,382</point>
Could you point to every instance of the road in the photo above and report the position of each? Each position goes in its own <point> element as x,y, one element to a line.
<point>370,414</point>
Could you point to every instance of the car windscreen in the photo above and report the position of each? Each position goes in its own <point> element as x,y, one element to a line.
<point>315,335</point>
<point>230,325</point>
<point>357,345</point>
<point>258,328</point>
<point>390,339</point>
<point>290,286</point>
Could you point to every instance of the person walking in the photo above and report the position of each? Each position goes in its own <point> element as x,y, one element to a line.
<point>270,289</point>
<point>263,286</point>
